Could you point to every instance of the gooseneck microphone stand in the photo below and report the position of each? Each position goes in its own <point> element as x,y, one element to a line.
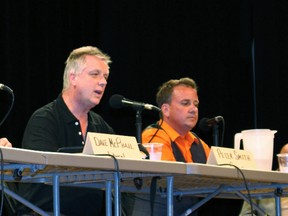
<point>138,125</point>
<point>215,135</point>
<point>206,124</point>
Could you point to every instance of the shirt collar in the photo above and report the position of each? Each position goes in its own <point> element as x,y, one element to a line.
<point>64,111</point>
<point>174,134</point>
<point>68,115</point>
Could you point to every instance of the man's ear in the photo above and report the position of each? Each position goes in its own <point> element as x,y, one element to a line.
<point>165,109</point>
<point>72,77</point>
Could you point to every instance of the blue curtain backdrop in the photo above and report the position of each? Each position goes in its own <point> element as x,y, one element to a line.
<point>151,42</point>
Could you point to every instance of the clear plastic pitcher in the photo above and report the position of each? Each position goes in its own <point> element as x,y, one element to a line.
<point>260,142</point>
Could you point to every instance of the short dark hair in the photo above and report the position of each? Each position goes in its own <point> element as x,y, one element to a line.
<point>166,89</point>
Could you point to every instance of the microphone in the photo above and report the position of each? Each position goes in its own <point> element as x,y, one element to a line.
<point>205,123</point>
<point>118,101</point>
<point>5,88</point>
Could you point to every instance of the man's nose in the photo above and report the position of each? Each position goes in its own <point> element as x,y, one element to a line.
<point>102,82</point>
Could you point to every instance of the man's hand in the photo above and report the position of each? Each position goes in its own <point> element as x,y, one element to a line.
<point>4,142</point>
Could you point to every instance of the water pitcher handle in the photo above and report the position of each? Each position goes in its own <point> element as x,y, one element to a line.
<point>237,139</point>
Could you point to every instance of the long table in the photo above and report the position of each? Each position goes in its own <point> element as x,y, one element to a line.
<point>118,175</point>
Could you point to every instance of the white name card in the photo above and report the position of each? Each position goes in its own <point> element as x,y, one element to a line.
<point>237,157</point>
<point>117,145</point>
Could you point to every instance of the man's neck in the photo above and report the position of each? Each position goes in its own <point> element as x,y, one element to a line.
<point>74,106</point>
<point>180,131</point>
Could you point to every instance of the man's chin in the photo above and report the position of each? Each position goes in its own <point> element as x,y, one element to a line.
<point>96,100</point>
<point>94,103</point>
<point>191,126</point>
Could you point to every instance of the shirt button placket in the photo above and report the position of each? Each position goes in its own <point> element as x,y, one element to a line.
<point>79,133</point>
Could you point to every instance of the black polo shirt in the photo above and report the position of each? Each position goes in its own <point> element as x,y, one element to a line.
<point>52,127</point>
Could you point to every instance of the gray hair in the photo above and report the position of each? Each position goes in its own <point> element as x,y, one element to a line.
<point>77,58</point>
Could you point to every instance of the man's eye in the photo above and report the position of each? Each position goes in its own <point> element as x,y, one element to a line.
<point>188,103</point>
<point>185,103</point>
<point>94,74</point>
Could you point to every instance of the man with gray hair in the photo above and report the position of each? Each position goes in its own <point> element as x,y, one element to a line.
<point>64,123</point>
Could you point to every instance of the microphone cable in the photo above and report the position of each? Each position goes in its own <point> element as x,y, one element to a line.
<point>245,183</point>
<point>189,211</point>
<point>6,88</point>
<point>10,107</point>
<point>158,126</point>
<point>116,167</point>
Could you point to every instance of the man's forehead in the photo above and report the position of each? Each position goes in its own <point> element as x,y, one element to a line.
<point>187,89</point>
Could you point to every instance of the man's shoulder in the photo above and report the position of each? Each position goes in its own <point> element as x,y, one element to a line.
<point>95,116</point>
<point>155,130</point>
<point>46,109</point>
<point>99,123</point>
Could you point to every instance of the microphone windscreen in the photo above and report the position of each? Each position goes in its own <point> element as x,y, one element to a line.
<point>203,124</point>
<point>116,101</point>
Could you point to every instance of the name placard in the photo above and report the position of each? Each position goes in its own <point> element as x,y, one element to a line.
<point>117,145</point>
<point>237,157</point>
